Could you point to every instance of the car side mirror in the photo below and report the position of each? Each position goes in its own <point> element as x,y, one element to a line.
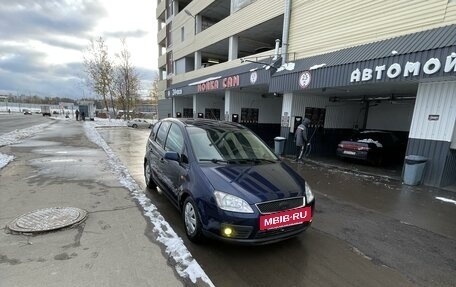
<point>172,155</point>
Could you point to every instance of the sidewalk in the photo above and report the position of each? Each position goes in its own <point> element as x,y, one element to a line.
<point>115,246</point>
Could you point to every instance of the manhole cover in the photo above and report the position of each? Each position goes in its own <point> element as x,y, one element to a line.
<point>47,219</point>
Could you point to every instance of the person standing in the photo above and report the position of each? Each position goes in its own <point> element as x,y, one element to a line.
<point>301,138</point>
<point>77,115</point>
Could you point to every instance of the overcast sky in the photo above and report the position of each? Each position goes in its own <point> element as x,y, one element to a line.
<point>42,42</point>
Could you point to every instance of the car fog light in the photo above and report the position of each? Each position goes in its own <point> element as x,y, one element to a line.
<point>227,231</point>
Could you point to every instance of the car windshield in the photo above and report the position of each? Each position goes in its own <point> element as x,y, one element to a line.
<point>219,145</point>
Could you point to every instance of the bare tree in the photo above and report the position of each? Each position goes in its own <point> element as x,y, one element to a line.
<point>153,94</point>
<point>99,69</point>
<point>126,81</point>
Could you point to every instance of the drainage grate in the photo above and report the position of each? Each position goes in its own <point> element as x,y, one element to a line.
<point>47,219</point>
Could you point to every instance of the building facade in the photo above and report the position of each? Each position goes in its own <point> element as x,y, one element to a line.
<point>387,65</point>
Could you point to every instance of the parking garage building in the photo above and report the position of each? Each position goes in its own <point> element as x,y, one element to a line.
<point>405,84</point>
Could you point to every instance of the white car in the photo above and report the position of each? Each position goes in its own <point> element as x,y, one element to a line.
<point>140,123</point>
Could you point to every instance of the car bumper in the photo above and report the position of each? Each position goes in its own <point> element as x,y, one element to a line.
<point>275,235</point>
<point>362,155</point>
<point>246,231</point>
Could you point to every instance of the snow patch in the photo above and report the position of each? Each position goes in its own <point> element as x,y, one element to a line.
<point>394,52</point>
<point>357,251</point>
<point>446,199</point>
<point>370,141</point>
<point>314,67</point>
<point>5,159</point>
<point>287,66</point>
<point>109,122</point>
<point>18,135</point>
<point>204,81</point>
<point>186,266</point>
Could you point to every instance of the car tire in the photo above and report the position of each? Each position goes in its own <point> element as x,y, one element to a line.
<point>192,222</point>
<point>148,176</point>
<point>134,126</point>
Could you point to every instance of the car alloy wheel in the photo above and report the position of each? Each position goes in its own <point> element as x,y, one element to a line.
<point>191,220</point>
<point>148,176</point>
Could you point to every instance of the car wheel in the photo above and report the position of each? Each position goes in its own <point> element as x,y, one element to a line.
<point>134,126</point>
<point>148,176</point>
<point>192,220</point>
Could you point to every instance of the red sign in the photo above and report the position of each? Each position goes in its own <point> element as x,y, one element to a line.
<point>286,218</point>
<point>228,82</point>
<point>209,85</point>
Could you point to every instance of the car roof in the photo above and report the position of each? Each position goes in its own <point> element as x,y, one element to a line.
<point>207,123</point>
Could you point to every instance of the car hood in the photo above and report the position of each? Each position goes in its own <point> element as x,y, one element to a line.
<point>256,183</point>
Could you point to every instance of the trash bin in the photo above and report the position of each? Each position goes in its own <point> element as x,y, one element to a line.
<point>414,169</point>
<point>279,144</point>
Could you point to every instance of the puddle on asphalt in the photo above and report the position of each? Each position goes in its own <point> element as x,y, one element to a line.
<point>67,151</point>
<point>36,143</point>
<point>68,162</point>
<point>57,160</point>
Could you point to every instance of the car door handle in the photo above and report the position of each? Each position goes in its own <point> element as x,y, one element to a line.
<point>162,159</point>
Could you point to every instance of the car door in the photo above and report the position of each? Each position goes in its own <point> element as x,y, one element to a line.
<point>157,152</point>
<point>175,171</point>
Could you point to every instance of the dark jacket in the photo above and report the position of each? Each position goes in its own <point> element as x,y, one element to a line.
<point>301,133</point>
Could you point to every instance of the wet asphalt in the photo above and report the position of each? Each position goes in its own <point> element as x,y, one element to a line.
<point>367,231</point>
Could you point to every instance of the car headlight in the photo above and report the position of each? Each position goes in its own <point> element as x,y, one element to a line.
<point>230,202</point>
<point>309,194</point>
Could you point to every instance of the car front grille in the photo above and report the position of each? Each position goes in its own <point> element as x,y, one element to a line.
<point>280,205</point>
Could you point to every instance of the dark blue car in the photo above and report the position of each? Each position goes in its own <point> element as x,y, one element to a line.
<point>226,182</point>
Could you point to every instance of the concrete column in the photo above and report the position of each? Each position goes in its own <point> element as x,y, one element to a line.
<point>227,105</point>
<point>175,8</point>
<point>285,123</point>
<point>173,112</point>
<point>198,24</point>
<point>233,48</point>
<point>198,60</point>
<point>287,106</point>
<point>195,107</point>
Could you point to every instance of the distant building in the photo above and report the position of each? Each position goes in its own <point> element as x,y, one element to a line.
<point>146,110</point>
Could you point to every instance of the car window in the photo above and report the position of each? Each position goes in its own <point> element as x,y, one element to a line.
<point>234,144</point>
<point>202,144</point>
<point>162,133</point>
<point>154,131</point>
<point>175,140</point>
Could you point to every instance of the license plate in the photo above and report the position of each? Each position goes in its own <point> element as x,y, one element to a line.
<point>349,152</point>
<point>286,218</point>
